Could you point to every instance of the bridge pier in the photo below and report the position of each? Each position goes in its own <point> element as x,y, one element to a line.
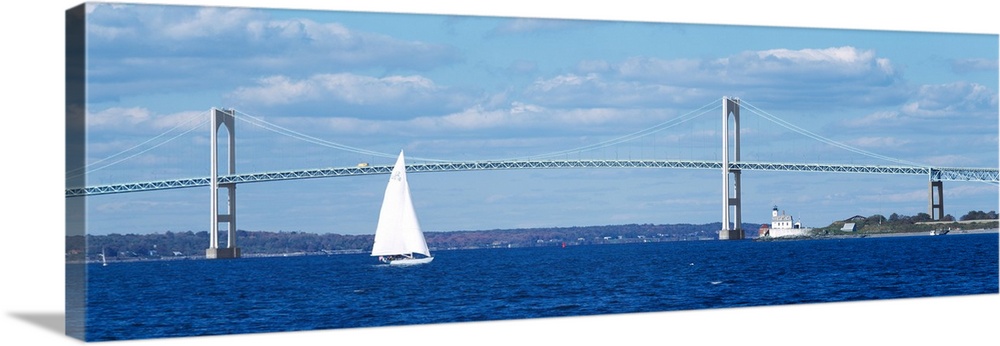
<point>936,204</point>
<point>224,118</point>
<point>732,209</point>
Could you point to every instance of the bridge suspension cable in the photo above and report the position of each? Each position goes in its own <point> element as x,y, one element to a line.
<point>202,116</point>
<point>711,106</point>
<point>319,141</point>
<point>261,123</point>
<point>256,121</point>
<point>807,133</point>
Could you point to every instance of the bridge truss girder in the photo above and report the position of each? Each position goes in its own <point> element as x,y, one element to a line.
<point>940,174</point>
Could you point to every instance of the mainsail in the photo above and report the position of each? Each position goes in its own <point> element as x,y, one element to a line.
<point>398,231</point>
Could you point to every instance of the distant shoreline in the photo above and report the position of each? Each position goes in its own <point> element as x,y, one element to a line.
<point>801,238</point>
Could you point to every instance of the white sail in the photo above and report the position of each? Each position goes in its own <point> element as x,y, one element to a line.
<point>398,231</point>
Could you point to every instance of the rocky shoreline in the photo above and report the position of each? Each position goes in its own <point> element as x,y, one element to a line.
<point>912,234</point>
<point>880,235</point>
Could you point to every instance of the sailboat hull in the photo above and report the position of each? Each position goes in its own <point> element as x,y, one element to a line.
<point>411,261</point>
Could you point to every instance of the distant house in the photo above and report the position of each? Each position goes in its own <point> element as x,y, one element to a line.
<point>848,227</point>
<point>764,230</point>
<point>856,218</point>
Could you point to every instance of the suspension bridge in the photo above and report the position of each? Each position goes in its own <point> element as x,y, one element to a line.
<point>731,166</point>
<point>933,173</point>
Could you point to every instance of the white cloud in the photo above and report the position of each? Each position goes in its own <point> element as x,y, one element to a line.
<point>118,117</point>
<point>301,29</point>
<point>394,96</point>
<point>676,71</point>
<point>111,33</point>
<point>875,120</point>
<point>879,142</point>
<point>471,119</point>
<point>561,81</point>
<point>522,118</point>
<point>589,66</point>
<point>142,49</point>
<point>841,64</point>
<point>277,90</point>
<point>913,195</point>
<point>970,190</point>
<point>327,43</point>
<point>974,65</point>
<point>950,160</point>
<point>207,22</point>
<point>528,117</point>
<point>959,99</point>
<point>132,206</point>
<point>772,67</point>
<point>142,120</point>
<point>930,120</point>
<point>805,77</point>
<point>149,25</point>
<point>530,25</point>
<point>835,55</point>
<point>594,90</point>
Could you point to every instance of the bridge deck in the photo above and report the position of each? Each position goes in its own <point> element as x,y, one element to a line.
<point>952,174</point>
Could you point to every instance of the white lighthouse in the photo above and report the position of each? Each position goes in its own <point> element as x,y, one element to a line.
<point>784,225</point>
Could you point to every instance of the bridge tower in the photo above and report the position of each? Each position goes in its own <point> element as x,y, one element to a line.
<point>936,200</point>
<point>226,118</point>
<point>732,210</point>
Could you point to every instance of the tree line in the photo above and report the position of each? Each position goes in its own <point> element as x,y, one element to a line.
<point>906,223</point>
<point>979,215</point>
<point>924,217</point>
<point>185,244</point>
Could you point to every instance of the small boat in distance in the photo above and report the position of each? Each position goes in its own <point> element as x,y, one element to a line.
<point>398,238</point>
<point>940,231</point>
<point>104,258</point>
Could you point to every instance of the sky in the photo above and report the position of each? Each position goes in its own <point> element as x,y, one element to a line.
<point>466,88</point>
<point>33,140</point>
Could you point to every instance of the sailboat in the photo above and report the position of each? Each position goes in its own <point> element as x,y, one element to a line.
<point>104,258</point>
<point>398,238</point>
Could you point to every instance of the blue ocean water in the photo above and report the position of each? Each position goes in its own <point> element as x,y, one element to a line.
<point>155,299</point>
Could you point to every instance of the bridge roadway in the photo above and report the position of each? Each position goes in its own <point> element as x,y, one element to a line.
<point>952,174</point>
